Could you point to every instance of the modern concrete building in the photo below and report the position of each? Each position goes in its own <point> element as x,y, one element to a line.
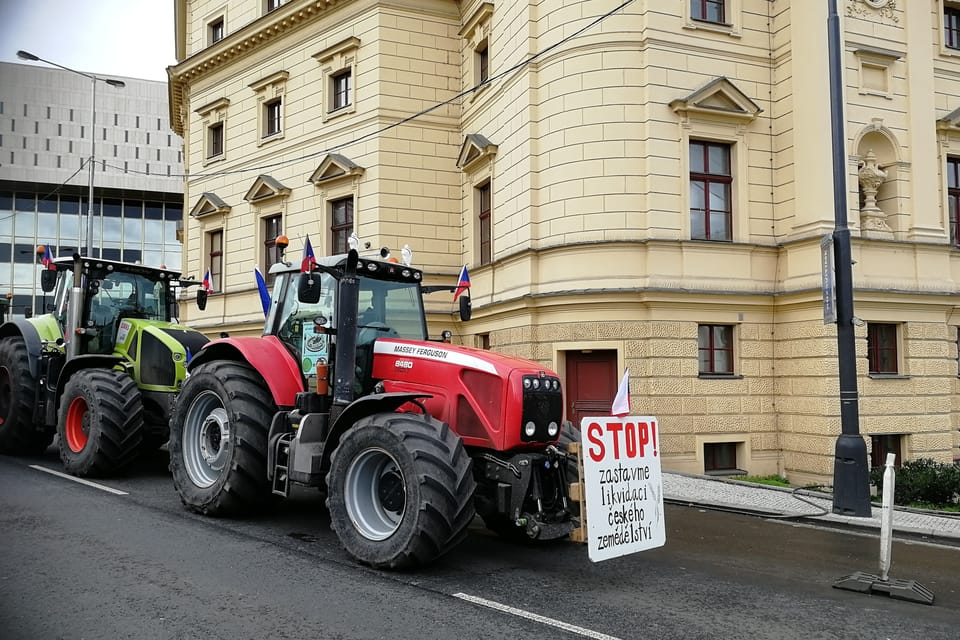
<point>640,186</point>
<point>45,138</point>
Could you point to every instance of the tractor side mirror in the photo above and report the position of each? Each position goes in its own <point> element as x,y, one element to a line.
<point>201,299</point>
<point>466,308</point>
<point>48,280</point>
<point>308,289</point>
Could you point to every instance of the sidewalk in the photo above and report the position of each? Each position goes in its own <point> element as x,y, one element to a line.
<point>803,504</point>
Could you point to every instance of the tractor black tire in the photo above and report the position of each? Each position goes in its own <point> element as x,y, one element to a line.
<point>100,422</point>
<point>218,440</point>
<point>18,434</point>
<point>400,490</point>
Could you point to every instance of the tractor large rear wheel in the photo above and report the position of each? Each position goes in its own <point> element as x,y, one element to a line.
<point>400,490</point>
<point>218,440</point>
<point>18,434</point>
<point>100,422</point>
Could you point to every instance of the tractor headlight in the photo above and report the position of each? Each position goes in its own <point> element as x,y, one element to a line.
<point>553,429</point>
<point>526,383</point>
<point>536,383</point>
<point>530,428</point>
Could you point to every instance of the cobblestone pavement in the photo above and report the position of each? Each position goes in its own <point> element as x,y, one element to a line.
<point>811,505</point>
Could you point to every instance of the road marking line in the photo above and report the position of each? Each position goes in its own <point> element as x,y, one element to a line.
<point>80,480</point>
<point>535,617</point>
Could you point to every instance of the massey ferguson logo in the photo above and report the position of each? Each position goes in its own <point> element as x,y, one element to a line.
<point>403,364</point>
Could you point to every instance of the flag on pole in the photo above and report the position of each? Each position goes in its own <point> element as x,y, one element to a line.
<point>621,404</point>
<point>206,282</point>
<point>262,288</point>
<point>463,284</point>
<point>309,260</point>
<point>47,258</point>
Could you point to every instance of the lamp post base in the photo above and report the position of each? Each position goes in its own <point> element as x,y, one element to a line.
<point>851,479</point>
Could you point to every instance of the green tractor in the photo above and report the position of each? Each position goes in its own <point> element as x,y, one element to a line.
<point>100,369</point>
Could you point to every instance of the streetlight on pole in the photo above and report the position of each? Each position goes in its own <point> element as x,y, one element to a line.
<point>26,55</point>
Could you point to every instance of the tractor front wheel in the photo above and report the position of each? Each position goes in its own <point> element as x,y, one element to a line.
<point>218,440</point>
<point>18,434</point>
<point>400,490</point>
<point>100,422</point>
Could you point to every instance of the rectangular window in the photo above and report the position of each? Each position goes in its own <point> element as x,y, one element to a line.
<point>951,27</point>
<point>215,259</point>
<point>215,31</point>
<point>341,217</point>
<point>215,140</point>
<point>271,117</point>
<point>882,347</point>
<point>340,90</point>
<point>708,10</point>
<point>484,222</point>
<point>953,198</point>
<point>710,191</point>
<point>719,456</point>
<point>271,5</point>
<point>715,344</point>
<point>881,446</point>
<point>272,227</point>
<point>482,53</point>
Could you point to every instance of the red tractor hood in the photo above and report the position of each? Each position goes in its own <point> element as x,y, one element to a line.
<point>479,393</point>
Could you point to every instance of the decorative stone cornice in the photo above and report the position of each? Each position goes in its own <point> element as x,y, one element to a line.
<point>474,148</point>
<point>216,105</point>
<point>272,26</point>
<point>334,167</point>
<point>265,188</point>
<point>278,77</point>
<point>340,48</point>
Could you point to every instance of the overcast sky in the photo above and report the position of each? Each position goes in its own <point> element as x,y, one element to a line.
<point>132,38</point>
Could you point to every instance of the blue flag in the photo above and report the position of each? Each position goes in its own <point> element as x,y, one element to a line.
<point>262,288</point>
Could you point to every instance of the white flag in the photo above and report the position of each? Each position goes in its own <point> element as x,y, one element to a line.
<point>621,404</point>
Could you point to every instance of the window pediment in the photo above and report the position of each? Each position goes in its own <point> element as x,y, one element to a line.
<point>333,167</point>
<point>208,204</point>
<point>338,51</point>
<point>264,188</point>
<point>719,98</point>
<point>217,105</point>
<point>277,78</point>
<point>475,147</point>
<point>477,25</point>
<point>949,122</point>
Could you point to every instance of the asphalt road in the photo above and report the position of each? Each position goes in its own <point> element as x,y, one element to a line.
<point>79,562</point>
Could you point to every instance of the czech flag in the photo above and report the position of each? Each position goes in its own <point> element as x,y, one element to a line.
<point>309,260</point>
<point>262,288</point>
<point>621,404</point>
<point>47,258</point>
<point>206,282</point>
<point>463,284</point>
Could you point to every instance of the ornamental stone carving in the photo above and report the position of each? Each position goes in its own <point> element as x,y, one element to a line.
<point>861,8</point>
<point>871,177</point>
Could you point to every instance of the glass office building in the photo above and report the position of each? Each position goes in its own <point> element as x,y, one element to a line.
<point>45,141</point>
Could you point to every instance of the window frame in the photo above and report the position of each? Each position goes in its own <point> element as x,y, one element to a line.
<point>699,11</point>
<point>271,227</point>
<point>880,345</point>
<point>707,178</point>
<point>712,349</point>
<point>953,199</point>
<point>272,117</point>
<point>880,447</point>
<point>484,216</point>
<point>337,61</point>
<point>216,29</point>
<point>341,96</point>
<point>340,233</point>
<point>215,140</point>
<point>271,5</point>
<point>951,33</point>
<point>481,55</point>
<point>215,258</point>
<point>712,452</point>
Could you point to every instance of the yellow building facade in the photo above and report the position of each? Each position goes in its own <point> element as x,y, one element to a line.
<point>630,184</point>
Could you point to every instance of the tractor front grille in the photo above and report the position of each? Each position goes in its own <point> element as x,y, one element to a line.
<point>542,406</point>
<point>156,362</point>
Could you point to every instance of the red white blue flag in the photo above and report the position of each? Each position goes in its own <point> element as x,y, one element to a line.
<point>206,282</point>
<point>47,258</point>
<point>309,260</point>
<point>463,284</point>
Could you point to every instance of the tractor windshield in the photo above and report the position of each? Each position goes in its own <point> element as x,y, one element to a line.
<point>391,308</point>
<point>122,295</point>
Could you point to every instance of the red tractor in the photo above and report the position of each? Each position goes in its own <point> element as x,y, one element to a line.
<point>410,438</point>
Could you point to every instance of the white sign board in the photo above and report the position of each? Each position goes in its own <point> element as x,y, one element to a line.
<point>623,484</point>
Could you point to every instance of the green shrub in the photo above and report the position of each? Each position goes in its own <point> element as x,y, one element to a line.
<point>772,480</point>
<point>922,481</point>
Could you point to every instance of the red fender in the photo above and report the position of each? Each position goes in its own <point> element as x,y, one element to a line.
<point>267,355</point>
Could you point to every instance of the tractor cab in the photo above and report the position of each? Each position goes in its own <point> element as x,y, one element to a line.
<point>303,313</point>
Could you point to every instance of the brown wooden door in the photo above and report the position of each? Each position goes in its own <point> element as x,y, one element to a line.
<point>591,384</point>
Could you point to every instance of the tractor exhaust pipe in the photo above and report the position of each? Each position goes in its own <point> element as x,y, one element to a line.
<point>346,337</point>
